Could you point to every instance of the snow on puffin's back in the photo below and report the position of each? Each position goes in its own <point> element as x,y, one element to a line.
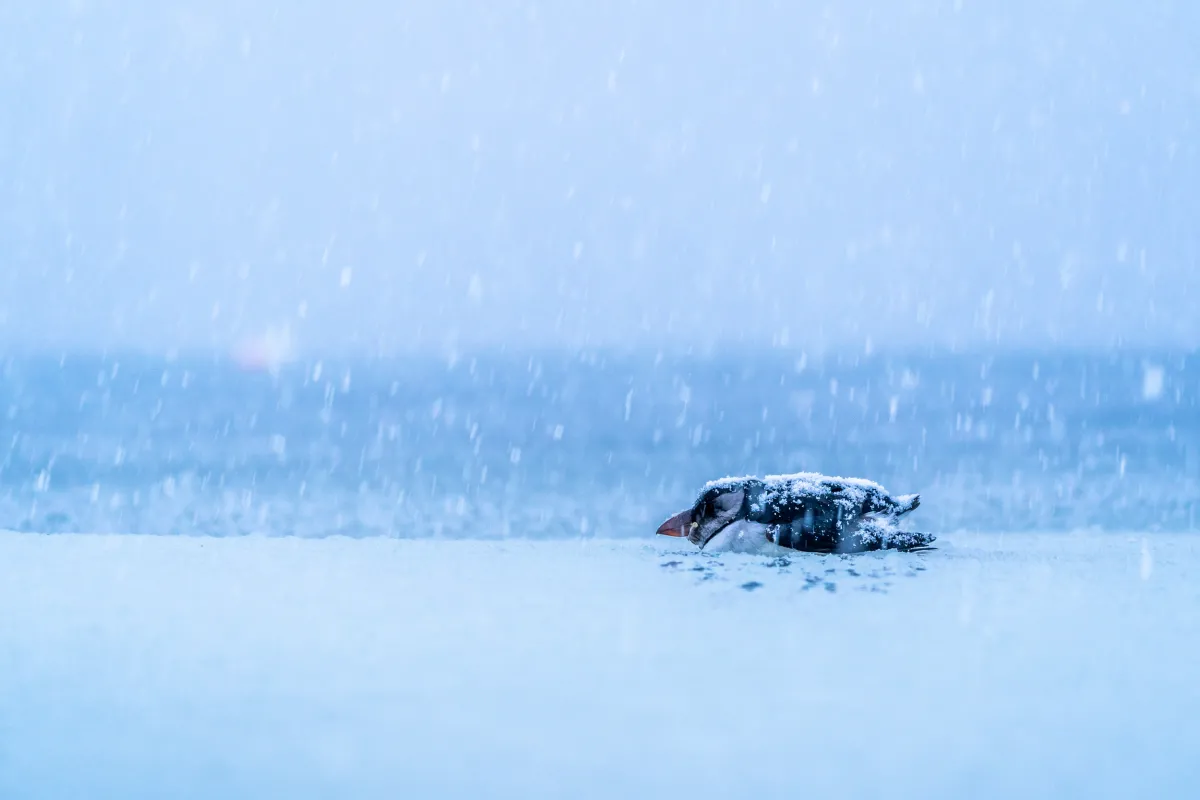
<point>802,483</point>
<point>727,482</point>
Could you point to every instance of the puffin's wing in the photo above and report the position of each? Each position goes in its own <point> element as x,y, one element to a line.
<point>877,534</point>
<point>912,542</point>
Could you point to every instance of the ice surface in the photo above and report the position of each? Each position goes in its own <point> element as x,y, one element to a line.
<point>995,666</point>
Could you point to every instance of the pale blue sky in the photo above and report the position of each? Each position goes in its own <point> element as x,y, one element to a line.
<point>384,174</point>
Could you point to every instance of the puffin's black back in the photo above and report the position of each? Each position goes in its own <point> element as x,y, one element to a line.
<point>816,513</point>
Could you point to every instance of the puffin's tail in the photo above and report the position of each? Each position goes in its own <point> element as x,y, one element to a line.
<point>906,503</point>
<point>910,541</point>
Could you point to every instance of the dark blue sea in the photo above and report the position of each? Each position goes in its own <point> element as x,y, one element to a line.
<point>589,444</point>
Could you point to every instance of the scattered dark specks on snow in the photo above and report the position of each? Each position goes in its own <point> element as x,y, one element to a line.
<point>861,576</point>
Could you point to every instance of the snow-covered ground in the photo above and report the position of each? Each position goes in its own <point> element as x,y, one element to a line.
<point>1001,666</point>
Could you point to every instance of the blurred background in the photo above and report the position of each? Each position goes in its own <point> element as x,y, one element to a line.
<point>391,176</point>
<point>496,268</point>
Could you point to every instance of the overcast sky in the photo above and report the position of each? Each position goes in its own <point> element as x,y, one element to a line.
<point>387,174</point>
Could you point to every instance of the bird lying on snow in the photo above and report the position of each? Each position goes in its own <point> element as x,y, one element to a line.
<point>805,511</point>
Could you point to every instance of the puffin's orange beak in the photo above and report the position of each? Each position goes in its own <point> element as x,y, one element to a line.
<point>677,525</point>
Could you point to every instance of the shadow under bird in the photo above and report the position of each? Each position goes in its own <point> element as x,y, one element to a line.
<point>805,511</point>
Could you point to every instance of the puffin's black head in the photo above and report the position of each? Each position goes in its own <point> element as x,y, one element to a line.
<point>717,508</point>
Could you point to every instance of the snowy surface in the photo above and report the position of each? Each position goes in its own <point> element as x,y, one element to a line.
<point>1001,666</point>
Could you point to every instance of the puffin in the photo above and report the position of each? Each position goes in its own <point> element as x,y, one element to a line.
<point>805,511</point>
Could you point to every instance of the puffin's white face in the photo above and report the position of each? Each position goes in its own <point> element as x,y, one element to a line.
<point>714,511</point>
